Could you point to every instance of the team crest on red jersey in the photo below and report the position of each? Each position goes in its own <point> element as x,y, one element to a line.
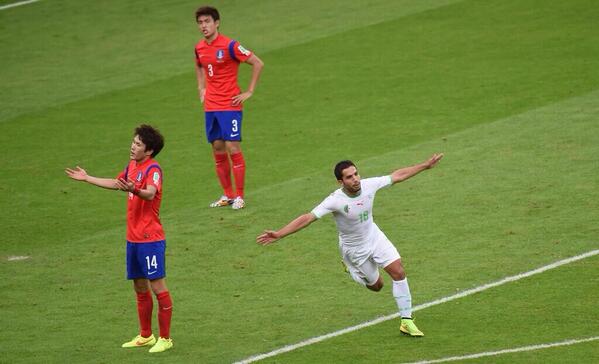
<point>220,54</point>
<point>139,175</point>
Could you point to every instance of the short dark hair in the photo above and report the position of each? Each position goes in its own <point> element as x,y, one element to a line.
<point>151,137</point>
<point>207,10</point>
<point>339,167</point>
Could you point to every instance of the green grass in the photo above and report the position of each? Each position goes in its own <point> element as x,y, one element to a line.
<point>504,317</point>
<point>58,51</point>
<point>508,90</point>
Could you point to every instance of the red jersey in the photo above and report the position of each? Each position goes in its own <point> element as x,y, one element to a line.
<point>220,62</point>
<point>143,221</point>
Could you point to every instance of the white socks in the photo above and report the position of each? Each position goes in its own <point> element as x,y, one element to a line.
<point>401,292</point>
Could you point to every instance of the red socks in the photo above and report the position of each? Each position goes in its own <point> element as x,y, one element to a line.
<point>144,312</point>
<point>238,172</point>
<point>165,310</point>
<point>223,171</point>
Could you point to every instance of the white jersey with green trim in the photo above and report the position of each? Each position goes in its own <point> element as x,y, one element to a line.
<point>353,215</point>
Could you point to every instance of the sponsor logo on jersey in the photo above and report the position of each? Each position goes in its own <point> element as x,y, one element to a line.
<point>139,175</point>
<point>220,54</point>
<point>156,177</point>
<point>244,51</point>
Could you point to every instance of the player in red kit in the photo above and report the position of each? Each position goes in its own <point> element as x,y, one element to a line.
<point>146,244</point>
<point>217,65</point>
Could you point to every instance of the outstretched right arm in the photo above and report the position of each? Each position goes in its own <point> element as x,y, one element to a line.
<point>270,236</point>
<point>79,174</point>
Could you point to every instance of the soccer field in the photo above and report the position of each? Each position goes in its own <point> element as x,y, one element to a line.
<point>508,90</point>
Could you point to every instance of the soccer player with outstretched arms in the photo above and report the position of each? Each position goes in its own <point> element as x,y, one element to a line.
<point>142,181</point>
<point>363,246</point>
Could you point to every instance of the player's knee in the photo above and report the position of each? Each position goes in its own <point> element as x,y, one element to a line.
<point>158,285</point>
<point>398,276</point>
<point>377,286</point>
<point>218,146</point>
<point>140,285</point>
<point>233,148</point>
<point>396,271</point>
<point>401,274</point>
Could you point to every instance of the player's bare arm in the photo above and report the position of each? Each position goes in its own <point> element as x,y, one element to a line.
<point>79,174</point>
<point>270,236</point>
<point>403,174</point>
<point>201,83</point>
<point>257,66</point>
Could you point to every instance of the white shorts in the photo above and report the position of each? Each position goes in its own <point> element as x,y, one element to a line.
<point>383,254</point>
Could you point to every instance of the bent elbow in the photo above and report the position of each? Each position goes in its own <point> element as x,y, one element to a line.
<point>258,63</point>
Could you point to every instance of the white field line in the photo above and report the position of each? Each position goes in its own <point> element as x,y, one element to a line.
<point>13,5</point>
<point>17,257</point>
<point>508,351</point>
<point>376,321</point>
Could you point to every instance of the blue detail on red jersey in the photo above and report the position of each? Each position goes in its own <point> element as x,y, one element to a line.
<point>232,50</point>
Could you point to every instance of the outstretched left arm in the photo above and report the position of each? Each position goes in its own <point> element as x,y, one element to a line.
<point>403,174</point>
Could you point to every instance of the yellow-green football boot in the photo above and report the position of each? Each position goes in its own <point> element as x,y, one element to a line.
<point>161,345</point>
<point>140,341</point>
<point>408,327</point>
